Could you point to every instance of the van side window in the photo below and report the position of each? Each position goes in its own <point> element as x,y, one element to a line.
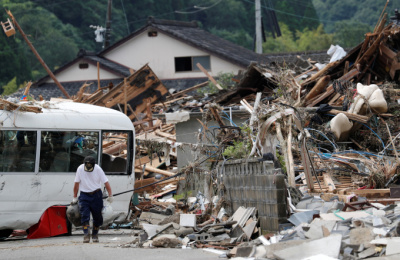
<point>115,149</point>
<point>64,151</point>
<point>18,151</point>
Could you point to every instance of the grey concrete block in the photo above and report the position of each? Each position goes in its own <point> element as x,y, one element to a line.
<point>367,253</point>
<point>393,247</point>
<point>270,249</point>
<point>317,228</point>
<point>329,246</point>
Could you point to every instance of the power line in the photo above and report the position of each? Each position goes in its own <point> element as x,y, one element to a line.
<point>199,7</point>
<point>291,14</point>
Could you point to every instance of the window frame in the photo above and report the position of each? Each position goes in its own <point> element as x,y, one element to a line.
<point>194,68</point>
<point>129,149</point>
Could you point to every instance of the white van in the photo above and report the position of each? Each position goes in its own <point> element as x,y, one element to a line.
<point>40,152</point>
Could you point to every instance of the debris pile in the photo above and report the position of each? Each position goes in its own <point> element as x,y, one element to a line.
<point>332,132</point>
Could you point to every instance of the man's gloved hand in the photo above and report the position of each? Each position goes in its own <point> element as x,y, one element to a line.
<point>110,199</point>
<point>74,201</point>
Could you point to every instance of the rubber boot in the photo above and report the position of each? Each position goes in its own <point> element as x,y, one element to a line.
<point>86,233</point>
<point>95,236</point>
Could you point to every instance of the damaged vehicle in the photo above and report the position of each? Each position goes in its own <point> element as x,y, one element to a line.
<point>43,143</point>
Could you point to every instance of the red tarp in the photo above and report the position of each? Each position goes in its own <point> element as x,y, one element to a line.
<point>52,223</point>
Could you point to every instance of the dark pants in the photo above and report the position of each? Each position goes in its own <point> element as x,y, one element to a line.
<point>91,203</point>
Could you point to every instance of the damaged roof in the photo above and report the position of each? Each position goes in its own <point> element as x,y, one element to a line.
<point>91,58</point>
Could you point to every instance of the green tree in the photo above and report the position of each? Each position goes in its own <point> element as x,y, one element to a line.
<point>317,39</point>
<point>10,87</point>
<point>305,40</point>
<point>362,11</point>
<point>349,33</point>
<point>285,43</point>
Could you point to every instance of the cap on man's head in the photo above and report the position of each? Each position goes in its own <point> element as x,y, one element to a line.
<point>89,162</point>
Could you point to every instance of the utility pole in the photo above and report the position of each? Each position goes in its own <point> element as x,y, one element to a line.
<point>37,55</point>
<point>108,26</point>
<point>258,27</point>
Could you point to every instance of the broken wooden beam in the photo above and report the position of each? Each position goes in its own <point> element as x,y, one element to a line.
<point>209,76</point>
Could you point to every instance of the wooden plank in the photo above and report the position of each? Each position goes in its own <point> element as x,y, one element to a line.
<point>163,193</point>
<point>209,76</point>
<point>168,136</point>
<point>318,87</point>
<point>329,91</point>
<point>154,169</point>
<point>372,191</point>
<point>142,160</point>
<point>216,116</point>
<point>9,106</point>
<point>189,89</point>
<point>352,116</point>
<point>328,181</point>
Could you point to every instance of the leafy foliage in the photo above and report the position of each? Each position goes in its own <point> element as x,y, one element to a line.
<point>306,40</point>
<point>366,11</point>
<point>241,148</point>
<point>11,86</point>
<point>58,29</point>
<point>349,33</point>
<point>223,79</point>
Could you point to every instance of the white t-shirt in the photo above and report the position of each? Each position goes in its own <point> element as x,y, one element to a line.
<point>90,181</point>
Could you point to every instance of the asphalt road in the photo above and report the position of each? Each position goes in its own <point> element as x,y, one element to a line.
<point>114,245</point>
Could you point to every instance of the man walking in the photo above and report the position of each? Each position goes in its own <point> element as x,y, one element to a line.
<point>88,180</point>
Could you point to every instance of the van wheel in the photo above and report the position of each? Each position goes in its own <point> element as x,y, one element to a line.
<point>5,233</point>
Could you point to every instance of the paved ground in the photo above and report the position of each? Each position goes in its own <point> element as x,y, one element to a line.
<point>114,245</point>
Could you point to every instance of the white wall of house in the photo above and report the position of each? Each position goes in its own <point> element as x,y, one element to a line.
<point>74,73</point>
<point>160,52</point>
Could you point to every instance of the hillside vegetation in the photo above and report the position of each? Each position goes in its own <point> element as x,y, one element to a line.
<point>59,28</point>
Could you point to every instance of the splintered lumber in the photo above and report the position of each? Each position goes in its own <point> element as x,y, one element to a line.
<point>216,116</point>
<point>156,170</point>
<point>320,73</point>
<point>142,81</point>
<point>81,91</point>
<point>144,182</point>
<point>329,182</point>
<point>143,106</point>
<point>330,90</point>
<point>28,86</point>
<point>115,149</point>
<point>9,106</point>
<point>371,193</point>
<point>168,136</point>
<point>354,117</point>
<point>189,89</point>
<point>319,87</point>
<point>163,193</point>
<point>209,76</point>
<point>142,160</point>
